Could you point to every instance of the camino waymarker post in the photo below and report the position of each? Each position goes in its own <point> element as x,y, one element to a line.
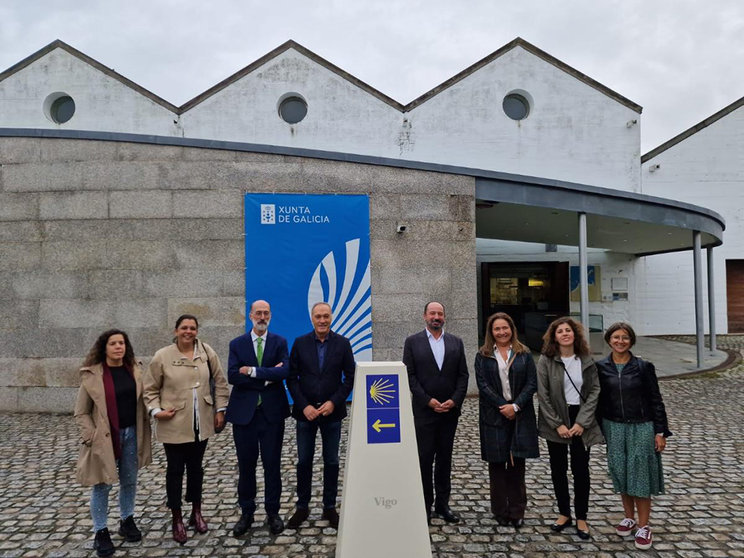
<point>382,509</point>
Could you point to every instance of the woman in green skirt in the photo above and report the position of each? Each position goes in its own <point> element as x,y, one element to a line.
<point>635,426</point>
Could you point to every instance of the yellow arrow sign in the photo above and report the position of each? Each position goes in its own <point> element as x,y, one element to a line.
<point>377,425</point>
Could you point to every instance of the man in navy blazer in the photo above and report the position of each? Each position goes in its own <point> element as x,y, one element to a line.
<point>438,378</point>
<point>320,379</point>
<point>257,409</point>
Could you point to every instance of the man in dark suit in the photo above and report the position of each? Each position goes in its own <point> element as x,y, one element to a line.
<point>257,364</point>
<point>438,377</point>
<point>320,379</point>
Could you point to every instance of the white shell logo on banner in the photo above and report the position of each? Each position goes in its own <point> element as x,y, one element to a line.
<point>349,296</point>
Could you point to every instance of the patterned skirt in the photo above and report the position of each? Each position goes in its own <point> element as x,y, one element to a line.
<point>633,463</point>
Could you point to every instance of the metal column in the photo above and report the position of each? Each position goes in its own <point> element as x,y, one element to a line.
<point>711,301</point>
<point>583,279</point>
<point>699,325</point>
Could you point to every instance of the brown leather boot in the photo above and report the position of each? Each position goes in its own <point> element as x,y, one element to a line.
<point>196,520</point>
<point>179,531</point>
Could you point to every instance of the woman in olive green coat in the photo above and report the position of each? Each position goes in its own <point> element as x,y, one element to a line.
<point>568,393</point>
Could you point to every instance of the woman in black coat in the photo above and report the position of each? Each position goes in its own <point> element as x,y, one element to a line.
<point>507,380</point>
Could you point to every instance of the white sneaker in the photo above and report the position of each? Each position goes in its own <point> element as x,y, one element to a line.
<point>643,538</point>
<point>625,528</point>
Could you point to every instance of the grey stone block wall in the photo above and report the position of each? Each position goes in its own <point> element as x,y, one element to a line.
<point>97,234</point>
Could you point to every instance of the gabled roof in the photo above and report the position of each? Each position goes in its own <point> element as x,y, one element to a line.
<point>276,52</point>
<point>90,61</point>
<point>519,42</point>
<point>693,130</point>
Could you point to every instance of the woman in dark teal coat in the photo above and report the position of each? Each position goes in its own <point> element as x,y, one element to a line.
<point>507,380</point>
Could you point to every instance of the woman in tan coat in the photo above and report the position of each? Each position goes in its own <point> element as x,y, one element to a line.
<point>178,395</point>
<point>114,431</point>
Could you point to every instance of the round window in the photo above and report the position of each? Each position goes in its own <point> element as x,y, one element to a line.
<point>62,109</point>
<point>293,109</point>
<point>516,106</point>
<point>59,107</point>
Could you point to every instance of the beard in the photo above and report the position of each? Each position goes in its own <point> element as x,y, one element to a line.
<point>260,326</point>
<point>435,325</point>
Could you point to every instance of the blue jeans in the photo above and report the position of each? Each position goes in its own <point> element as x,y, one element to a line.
<point>330,433</point>
<point>127,466</point>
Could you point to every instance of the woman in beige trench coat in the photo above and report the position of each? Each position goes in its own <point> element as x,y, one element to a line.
<point>114,433</point>
<point>178,395</point>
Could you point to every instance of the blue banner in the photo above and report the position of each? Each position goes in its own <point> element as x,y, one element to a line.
<point>301,249</point>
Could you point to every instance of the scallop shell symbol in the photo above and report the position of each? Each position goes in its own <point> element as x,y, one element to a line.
<point>349,296</point>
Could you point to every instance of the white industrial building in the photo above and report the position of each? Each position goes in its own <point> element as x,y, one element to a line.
<point>703,165</point>
<point>501,159</point>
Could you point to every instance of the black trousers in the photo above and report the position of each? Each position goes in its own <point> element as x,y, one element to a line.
<point>186,456</point>
<point>508,489</point>
<point>264,437</point>
<point>579,468</point>
<point>435,437</point>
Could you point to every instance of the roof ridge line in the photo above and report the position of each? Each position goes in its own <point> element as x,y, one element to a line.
<point>287,45</point>
<point>529,47</point>
<point>692,130</point>
<point>58,43</point>
<point>291,44</point>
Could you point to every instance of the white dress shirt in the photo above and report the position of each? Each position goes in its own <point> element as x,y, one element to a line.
<point>437,347</point>
<point>504,371</point>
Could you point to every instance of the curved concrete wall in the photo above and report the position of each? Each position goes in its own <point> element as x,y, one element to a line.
<point>97,234</point>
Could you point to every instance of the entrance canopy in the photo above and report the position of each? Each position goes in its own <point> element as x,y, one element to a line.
<point>511,207</point>
<point>529,209</point>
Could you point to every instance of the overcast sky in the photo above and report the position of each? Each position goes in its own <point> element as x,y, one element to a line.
<point>680,59</point>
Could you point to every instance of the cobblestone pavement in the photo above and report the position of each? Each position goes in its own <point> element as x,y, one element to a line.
<point>731,342</point>
<point>43,512</point>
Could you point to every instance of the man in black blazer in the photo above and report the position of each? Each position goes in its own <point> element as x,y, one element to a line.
<point>438,377</point>
<point>257,364</point>
<point>321,375</point>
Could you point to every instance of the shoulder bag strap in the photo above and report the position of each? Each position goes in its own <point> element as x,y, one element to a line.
<point>572,382</point>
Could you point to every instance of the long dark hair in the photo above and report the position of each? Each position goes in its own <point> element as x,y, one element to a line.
<point>550,345</point>
<point>487,349</point>
<point>97,353</point>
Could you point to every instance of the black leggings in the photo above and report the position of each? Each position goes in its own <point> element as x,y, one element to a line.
<point>579,468</point>
<point>184,456</point>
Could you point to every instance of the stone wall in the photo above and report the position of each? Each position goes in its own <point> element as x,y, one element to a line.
<point>99,234</point>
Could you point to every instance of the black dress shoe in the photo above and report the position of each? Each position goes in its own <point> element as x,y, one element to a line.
<point>332,516</point>
<point>298,518</point>
<point>276,524</point>
<point>558,527</point>
<point>517,523</point>
<point>447,514</point>
<point>582,534</point>
<point>243,524</point>
<point>503,521</point>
